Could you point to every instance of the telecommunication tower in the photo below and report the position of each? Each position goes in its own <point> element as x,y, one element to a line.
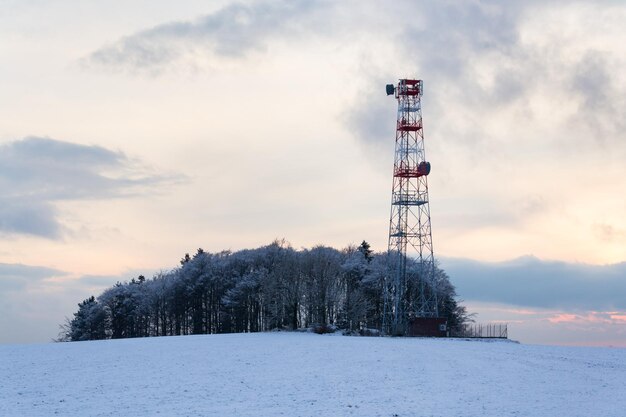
<point>409,225</point>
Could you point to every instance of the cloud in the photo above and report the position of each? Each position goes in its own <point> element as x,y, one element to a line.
<point>27,312</point>
<point>619,317</point>
<point>35,300</point>
<point>17,277</point>
<point>28,217</point>
<point>485,63</point>
<point>372,120</point>
<point>37,172</point>
<point>530,282</point>
<point>556,326</point>
<point>491,68</point>
<point>102,282</point>
<point>232,32</point>
<point>478,59</point>
<point>609,233</point>
<point>440,46</point>
<point>589,318</point>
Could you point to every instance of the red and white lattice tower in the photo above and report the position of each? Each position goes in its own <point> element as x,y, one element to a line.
<point>410,286</point>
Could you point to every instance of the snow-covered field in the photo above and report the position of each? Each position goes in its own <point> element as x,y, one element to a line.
<point>299,374</point>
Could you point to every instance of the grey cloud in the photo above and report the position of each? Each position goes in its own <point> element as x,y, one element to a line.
<point>592,80</point>
<point>450,35</point>
<point>29,217</point>
<point>32,306</point>
<point>233,32</point>
<point>56,170</point>
<point>103,281</point>
<point>29,311</point>
<point>441,45</point>
<point>531,282</point>
<point>100,280</point>
<point>372,118</point>
<point>17,276</point>
<point>37,172</point>
<point>448,39</point>
<point>603,103</point>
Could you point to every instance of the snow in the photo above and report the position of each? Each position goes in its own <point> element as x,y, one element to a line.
<point>300,374</point>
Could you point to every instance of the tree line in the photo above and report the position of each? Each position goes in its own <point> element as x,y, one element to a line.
<point>272,287</point>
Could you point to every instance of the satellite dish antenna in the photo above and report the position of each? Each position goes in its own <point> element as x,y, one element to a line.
<point>390,89</point>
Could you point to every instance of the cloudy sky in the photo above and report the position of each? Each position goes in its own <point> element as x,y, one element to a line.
<point>133,132</point>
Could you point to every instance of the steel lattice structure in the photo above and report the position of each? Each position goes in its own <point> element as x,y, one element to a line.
<point>410,235</point>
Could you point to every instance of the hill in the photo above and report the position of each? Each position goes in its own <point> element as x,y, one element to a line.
<point>302,374</point>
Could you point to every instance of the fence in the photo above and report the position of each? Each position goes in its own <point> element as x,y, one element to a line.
<point>475,330</point>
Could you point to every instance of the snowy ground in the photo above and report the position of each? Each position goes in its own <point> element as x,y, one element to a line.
<point>296,374</point>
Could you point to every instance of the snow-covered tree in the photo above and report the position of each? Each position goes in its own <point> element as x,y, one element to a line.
<point>271,287</point>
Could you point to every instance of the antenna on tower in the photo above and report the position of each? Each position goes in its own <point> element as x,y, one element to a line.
<point>409,289</point>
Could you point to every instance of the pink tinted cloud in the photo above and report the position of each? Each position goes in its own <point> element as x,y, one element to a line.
<point>563,318</point>
<point>592,317</point>
<point>556,327</point>
<point>619,317</point>
<point>520,311</point>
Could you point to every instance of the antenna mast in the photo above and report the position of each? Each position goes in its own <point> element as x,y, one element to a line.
<point>410,285</point>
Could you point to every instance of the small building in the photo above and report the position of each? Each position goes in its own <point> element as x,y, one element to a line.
<point>428,327</point>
